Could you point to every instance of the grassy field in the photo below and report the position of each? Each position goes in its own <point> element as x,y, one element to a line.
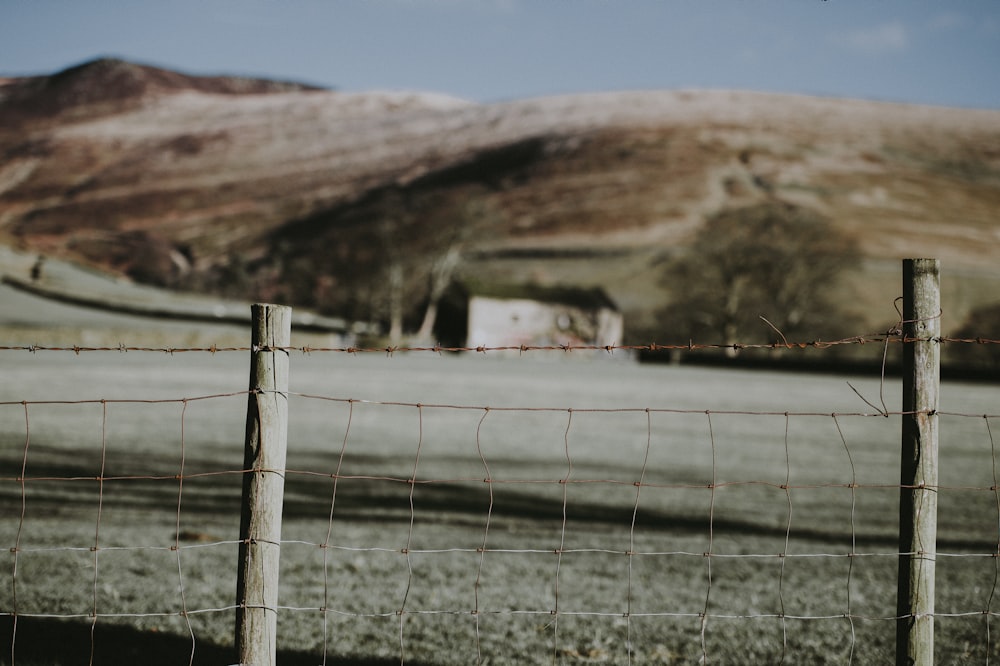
<point>533,566</point>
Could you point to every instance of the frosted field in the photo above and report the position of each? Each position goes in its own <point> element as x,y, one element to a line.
<point>531,566</point>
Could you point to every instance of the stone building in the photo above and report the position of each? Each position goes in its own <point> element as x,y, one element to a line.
<point>530,315</point>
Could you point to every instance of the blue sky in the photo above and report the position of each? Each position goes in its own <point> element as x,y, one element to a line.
<point>943,52</point>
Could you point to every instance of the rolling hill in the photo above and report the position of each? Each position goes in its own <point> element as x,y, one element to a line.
<point>280,191</point>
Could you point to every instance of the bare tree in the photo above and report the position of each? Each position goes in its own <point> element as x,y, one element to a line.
<point>463,223</point>
<point>771,260</point>
<point>423,242</point>
<point>391,225</point>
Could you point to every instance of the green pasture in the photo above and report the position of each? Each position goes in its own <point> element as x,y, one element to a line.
<point>584,510</point>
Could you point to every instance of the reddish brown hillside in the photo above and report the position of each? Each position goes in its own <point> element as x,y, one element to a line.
<point>111,85</point>
<point>275,190</point>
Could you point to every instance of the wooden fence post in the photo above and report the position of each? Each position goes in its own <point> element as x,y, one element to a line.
<point>263,487</point>
<point>919,462</point>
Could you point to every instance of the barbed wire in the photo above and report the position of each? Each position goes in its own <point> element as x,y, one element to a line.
<point>523,348</point>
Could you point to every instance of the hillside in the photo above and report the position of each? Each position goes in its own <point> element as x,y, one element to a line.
<point>281,191</point>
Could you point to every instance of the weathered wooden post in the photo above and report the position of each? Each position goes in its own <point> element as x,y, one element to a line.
<point>919,463</point>
<point>263,487</point>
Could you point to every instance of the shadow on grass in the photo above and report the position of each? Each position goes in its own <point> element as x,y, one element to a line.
<point>387,499</point>
<point>53,642</point>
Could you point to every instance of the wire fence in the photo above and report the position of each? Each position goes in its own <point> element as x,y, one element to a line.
<point>550,554</point>
<point>891,337</point>
<point>450,512</point>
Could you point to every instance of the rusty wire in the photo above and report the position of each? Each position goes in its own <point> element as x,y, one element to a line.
<point>891,337</point>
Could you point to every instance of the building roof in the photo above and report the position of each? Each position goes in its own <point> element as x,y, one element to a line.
<point>592,297</point>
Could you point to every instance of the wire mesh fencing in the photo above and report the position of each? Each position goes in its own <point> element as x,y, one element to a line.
<point>474,510</point>
<point>459,508</point>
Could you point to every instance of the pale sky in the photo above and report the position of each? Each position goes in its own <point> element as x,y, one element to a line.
<point>942,52</point>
